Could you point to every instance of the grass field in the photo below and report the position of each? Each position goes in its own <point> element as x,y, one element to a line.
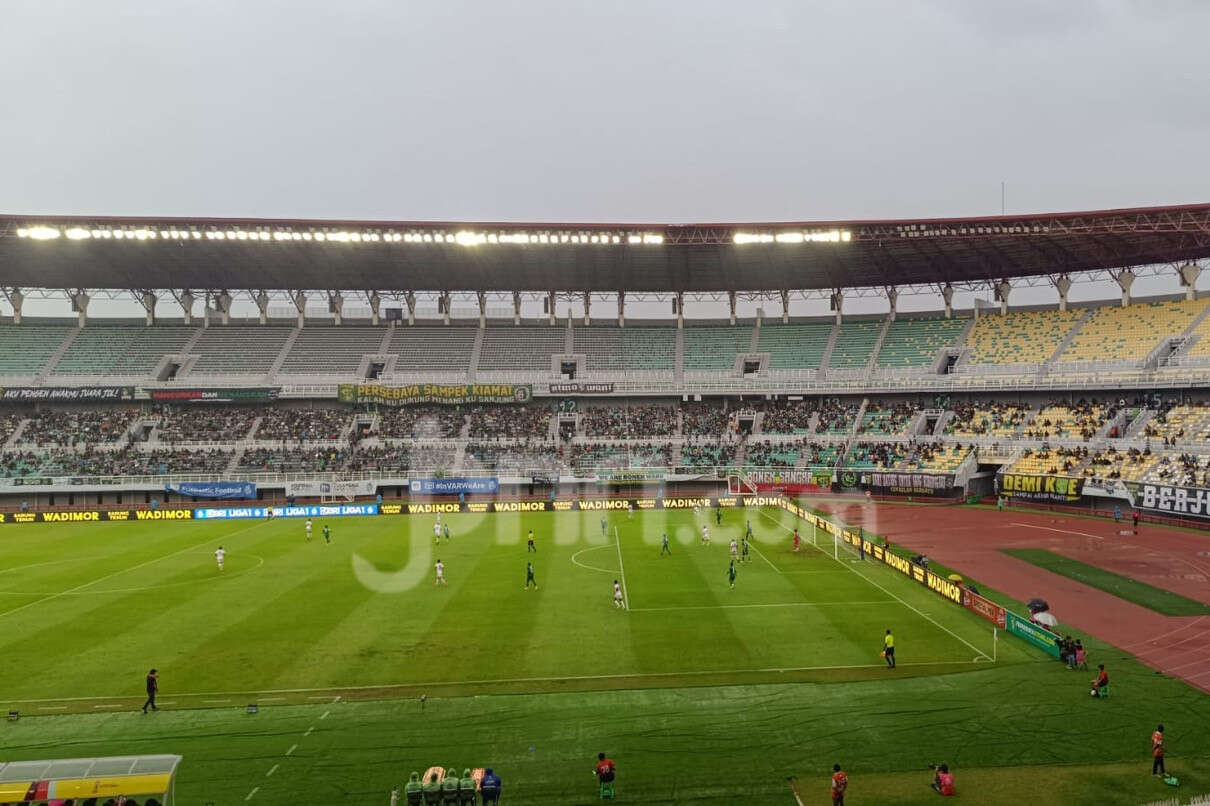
<point>1132,590</point>
<point>780,676</point>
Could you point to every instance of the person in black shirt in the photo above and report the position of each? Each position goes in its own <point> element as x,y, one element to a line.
<point>153,687</point>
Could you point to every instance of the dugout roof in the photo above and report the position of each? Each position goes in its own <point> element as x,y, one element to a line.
<point>108,252</point>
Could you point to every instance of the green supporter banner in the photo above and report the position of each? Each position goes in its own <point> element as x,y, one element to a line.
<point>1060,489</point>
<point>1028,631</point>
<point>235,395</point>
<point>440,394</point>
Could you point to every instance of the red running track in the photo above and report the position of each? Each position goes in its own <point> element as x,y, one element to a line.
<point>969,540</point>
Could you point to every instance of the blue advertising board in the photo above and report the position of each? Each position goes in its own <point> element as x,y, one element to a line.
<point>214,489</point>
<point>488,486</point>
<point>309,511</point>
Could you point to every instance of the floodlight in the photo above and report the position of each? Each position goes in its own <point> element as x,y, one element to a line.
<point>78,234</point>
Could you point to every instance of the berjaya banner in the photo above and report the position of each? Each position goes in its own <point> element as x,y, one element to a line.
<point>441,394</point>
<point>339,489</point>
<point>1060,489</point>
<point>256,395</point>
<point>575,388</point>
<point>67,393</point>
<point>242,490</point>
<point>451,486</point>
<point>1191,501</point>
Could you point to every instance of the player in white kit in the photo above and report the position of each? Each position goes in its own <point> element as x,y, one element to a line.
<point>437,530</point>
<point>219,555</point>
<point>705,535</point>
<point>617,596</point>
<point>734,549</point>
<point>308,529</point>
<point>440,568</point>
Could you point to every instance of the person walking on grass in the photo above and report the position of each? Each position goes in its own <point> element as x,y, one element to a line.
<point>888,649</point>
<point>731,574</point>
<point>529,576</point>
<point>840,784</point>
<point>153,688</point>
<point>664,545</point>
<point>618,601</point>
<point>1157,751</point>
<point>744,550</point>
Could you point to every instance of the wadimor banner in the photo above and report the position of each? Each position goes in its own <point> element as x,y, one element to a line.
<point>1060,489</point>
<point>441,394</point>
<point>1192,502</point>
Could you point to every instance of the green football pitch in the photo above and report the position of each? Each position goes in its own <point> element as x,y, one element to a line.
<point>702,692</point>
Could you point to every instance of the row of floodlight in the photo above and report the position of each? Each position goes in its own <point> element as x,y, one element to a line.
<point>460,238</point>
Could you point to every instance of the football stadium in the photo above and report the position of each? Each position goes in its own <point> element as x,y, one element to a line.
<point>371,512</point>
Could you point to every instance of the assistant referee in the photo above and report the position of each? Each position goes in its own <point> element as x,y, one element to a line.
<point>888,649</point>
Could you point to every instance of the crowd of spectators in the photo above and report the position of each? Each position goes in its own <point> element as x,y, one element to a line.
<point>9,421</point>
<point>876,454</point>
<point>126,461</point>
<point>787,417</point>
<point>420,422</point>
<point>1064,420</point>
<point>836,416</point>
<point>629,422</point>
<point>521,457</point>
<point>886,418</point>
<point>206,423</point>
<point>774,454</point>
<point>707,454</point>
<point>510,422</point>
<point>705,419</point>
<point>302,425</point>
<point>985,418</point>
<point>590,456</point>
<point>293,460</point>
<point>1186,469</point>
<point>64,427</point>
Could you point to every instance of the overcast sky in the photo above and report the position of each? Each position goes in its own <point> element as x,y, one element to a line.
<point>601,111</point>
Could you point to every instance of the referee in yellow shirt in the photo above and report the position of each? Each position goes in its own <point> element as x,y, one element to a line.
<point>888,649</point>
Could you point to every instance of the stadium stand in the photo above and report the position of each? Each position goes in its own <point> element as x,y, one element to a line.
<point>855,342</point>
<point>886,419</point>
<point>1200,347</point>
<point>1079,420</point>
<point>707,454</point>
<point>510,422</point>
<point>1130,333</point>
<point>433,349</point>
<point>836,416</point>
<point>25,349</point>
<point>299,425</point>
<point>521,457</point>
<point>1019,337</point>
<point>788,417</point>
<point>586,457</point>
<point>712,348</point>
<point>525,349</point>
<point>629,421</point>
<point>934,457</point>
<point>627,349</point>
<point>871,455</point>
<point>330,350</point>
<point>78,426</point>
<point>704,419</point>
<point>1180,424</point>
<point>121,349</point>
<point>420,422</point>
<point>794,346</point>
<point>1186,469</point>
<point>238,349</point>
<point>981,418</point>
<point>916,342</point>
<point>206,423</point>
<point>773,454</point>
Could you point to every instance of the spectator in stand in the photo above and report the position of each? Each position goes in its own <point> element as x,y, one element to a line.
<point>303,425</point>
<point>206,423</point>
<point>530,420</point>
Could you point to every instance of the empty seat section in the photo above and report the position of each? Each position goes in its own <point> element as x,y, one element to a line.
<point>121,349</point>
<point>329,350</point>
<point>433,349</point>
<point>712,348</point>
<point>1130,333</point>
<point>24,349</point>
<point>795,346</point>
<point>915,342</point>
<point>238,349</point>
<point>1025,337</point>
<point>520,348</point>
<point>854,344</point>
<point>1201,347</point>
<point>613,349</point>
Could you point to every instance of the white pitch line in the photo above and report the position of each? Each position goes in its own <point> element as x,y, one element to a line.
<point>761,554</point>
<point>272,770</point>
<point>777,604</point>
<point>272,699</point>
<point>108,705</point>
<point>621,568</point>
<point>308,733</point>
<point>255,789</point>
<point>1060,531</point>
<point>325,715</point>
<point>121,571</point>
<point>930,619</point>
<point>215,702</point>
<point>293,747</point>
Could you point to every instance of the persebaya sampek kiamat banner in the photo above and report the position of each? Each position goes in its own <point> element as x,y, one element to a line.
<point>446,394</point>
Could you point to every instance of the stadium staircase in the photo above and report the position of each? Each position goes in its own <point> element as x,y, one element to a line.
<point>754,343</point>
<point>1140,421</point>
<point>865,401</point>
<point>384,346</point>
<point>678,371</point>
<point>1066,342</point>
<point>51,362</point>
<point>873,365</point>
<point>275,367</point>
<point>942,422</point>
<point>918,424</point>
<point>15,437</point>
<point>476,348</point>
<point>826,358</point>
<point>813,423</point>
<point>187,347</point>
<point>236,456</point>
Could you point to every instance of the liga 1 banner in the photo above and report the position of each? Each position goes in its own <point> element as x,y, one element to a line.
<point>440,394</point>
<point>984,607</point>
<point>1033,633</point>
<point>1055,489</point>
<point>68,394</point>
<point>1192,502</point>
<point>241,490</point>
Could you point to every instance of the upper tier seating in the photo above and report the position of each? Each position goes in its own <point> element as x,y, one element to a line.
<point>613,349</point>
<point>886,419</point>
<point>331,350</point>
<point>915,342</point>
<point>1181,423</point>
<point>1130,333</point>
<point>24,349</point>
<point>794,346</point>
<point>433,349</point>
<point>712,348</point>
<point>935,458</point>
<point>1021,337</point>
<point>121,349</point>
<point>238,349</point>
<point>787,417</point>
<point>986,418</point>
<point>520,348</point>
<point>1080,421</point>
<point>1201,347</point>
<point>854,344</point>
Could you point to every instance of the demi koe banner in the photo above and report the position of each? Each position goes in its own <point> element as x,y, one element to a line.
<point>441,394</point>
<point>1190,502</point>
<point>1060,489</point>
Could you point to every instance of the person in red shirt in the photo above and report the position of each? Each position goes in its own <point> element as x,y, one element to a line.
<point>840,783</point>
<point>797,540</point>
<point>1157,751</point>
<point>605,771</point>
<point>1101,682</point>
<point>943,780</point>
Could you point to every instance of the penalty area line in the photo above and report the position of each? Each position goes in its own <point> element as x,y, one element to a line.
<point>621,569</point>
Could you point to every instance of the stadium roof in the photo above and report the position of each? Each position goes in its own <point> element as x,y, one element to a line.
<point>208,253</point>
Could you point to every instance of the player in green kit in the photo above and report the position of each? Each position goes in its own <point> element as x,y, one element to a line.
<point>327,534</point>
<point>664,546</point>
<point>529,576</point>
<point>731,574</point>
<point>718,516</point>
<point>744,550</point>
<point>604,524</point>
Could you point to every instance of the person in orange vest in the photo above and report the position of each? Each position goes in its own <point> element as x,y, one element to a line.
<point>1157,751</point>
<point>840,783</point>
<point>943,780</point>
